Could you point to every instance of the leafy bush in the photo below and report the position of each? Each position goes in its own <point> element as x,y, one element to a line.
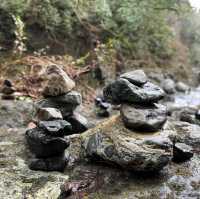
<point>136,26</point>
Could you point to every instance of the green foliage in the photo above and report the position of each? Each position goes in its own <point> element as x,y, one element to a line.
<point>135,25</point>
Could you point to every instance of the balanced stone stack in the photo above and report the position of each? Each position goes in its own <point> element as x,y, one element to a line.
<point>55,120</point>
<point>47,141</point>
<point>137,138</point>
<point>8,90</point>
<point>58,94</point>
<point>138,98</point>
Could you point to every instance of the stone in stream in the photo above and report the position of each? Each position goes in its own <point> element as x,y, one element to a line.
<point>65,103</point>
<point>79,123</point>
<point>182,87</point>
<point>102,108</point>
<point>58,82</point>
<point>113,144</point>
<point>187,117</point>
<point>168,86</point>
<point>56,128</point>
<point>122,91</point>
<point>45,114</point>
<point>186,133</point>
<point>182,152</point>
<point>144,118</point>
<point>57,163</point>
<point>44,146</point>
<point>136,77</point>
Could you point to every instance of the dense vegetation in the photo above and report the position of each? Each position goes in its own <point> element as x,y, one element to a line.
<point>132,25</point>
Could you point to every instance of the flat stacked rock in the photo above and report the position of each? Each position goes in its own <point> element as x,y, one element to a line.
<point>138,98</point>
<point>58,94</point>
<point>55,119</point>
<point>47,142</point>
<point>8,90</point>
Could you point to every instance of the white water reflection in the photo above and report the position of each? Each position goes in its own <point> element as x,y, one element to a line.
<point>191,99</point>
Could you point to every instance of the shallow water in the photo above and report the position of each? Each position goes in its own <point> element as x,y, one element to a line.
<point>191,98</point>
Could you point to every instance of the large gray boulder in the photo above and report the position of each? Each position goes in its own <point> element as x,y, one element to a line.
<point>137,77</point>
<point>65,103</point>
<point>122,91</point>
<point>114,144</point>
<point>144,118</point>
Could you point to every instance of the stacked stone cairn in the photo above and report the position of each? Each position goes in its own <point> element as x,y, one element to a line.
<point>139,98</point>
<point>55,119</point>
<point>8,90</point>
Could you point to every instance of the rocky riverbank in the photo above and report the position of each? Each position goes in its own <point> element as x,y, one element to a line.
<point>143,151</point>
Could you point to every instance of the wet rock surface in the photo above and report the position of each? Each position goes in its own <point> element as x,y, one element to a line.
<point>79,123</point>
<point>57,163</point>
<point>123,91</point>
<point>137,77</point>
<point>175,181</point>
<point>44,146</point>
<point>114,144</point>
<point>182,152</point>
<point>147,119</point>
<point>66,103</point>
<point>87,179</point>
<point>57,128</point>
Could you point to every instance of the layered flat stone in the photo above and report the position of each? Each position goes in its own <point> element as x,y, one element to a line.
<point>45,114</point>
<point>144,118</point>
<point>44,146</point>
<point>65,103</point>
<point>122,91</point>
<point>56,128</point>
<point>137,77</point>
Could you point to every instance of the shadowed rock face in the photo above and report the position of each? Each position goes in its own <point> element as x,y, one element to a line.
<point>44,146</point>
<point>115,144</point>
<point>57,163</point>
